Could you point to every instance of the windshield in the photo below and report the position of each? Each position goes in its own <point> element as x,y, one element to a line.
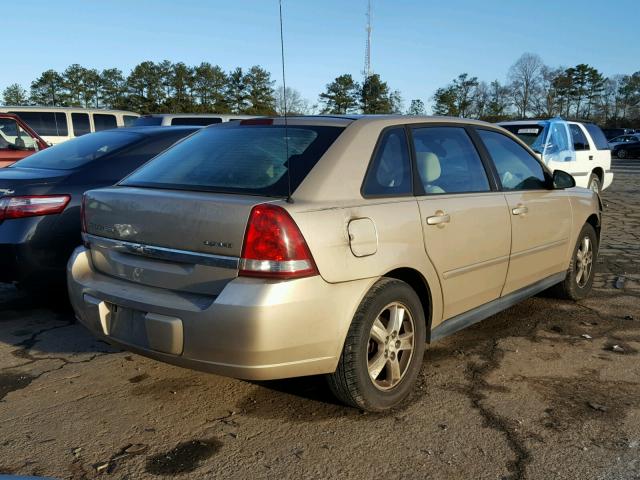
<point>238,159</point>
<point>79,151</point>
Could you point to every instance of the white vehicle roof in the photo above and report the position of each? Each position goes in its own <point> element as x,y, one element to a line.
<point>16,108</point>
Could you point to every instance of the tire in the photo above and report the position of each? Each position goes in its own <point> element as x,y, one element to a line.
<point>594,183</point>
<point>576,287</point>
<point>622,153</point>
<point>352,382</point>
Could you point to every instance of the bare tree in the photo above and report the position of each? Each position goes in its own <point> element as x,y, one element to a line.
<point>524,77</point>
<point>296,104</point>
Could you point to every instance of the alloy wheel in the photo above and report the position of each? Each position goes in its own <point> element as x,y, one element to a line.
<point>391,346</point>
<point>584,263</point>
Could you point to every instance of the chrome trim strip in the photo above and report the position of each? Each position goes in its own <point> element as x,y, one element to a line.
<point>163,253</point>
<point>470,268</point>
<point>539,248</point>
<point>579,174</point>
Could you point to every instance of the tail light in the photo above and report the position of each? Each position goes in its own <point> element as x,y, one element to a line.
<point>32,206</point>
<point>274,246</point>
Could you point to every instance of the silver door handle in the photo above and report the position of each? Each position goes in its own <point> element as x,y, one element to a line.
<point>438,219</point>
<point>519,210</point>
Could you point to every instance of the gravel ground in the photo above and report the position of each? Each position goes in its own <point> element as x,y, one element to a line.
<point>545,390</point>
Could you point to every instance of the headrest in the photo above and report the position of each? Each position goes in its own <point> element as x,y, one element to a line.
<point>428,166</point>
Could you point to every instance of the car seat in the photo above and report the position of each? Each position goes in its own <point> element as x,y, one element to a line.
<point>430,171</point>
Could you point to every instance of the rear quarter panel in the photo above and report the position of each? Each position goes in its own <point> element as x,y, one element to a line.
<point>399,242</point>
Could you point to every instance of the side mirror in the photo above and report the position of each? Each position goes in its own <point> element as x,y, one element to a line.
<point>562,180</point>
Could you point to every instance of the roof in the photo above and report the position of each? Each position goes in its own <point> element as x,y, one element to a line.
<point>156,130</point>
<point>390,119</point>
<point>6,108</point>
<point>199,115</point>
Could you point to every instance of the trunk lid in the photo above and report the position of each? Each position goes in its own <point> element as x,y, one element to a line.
<point>180,240</point>
<point>29,181</point>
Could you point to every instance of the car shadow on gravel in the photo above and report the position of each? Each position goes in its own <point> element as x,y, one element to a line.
<point>40,331</point>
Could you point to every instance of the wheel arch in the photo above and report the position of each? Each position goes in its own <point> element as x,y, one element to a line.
<point>594,221</point>
<point>599,173</point>
<point>419,283</point>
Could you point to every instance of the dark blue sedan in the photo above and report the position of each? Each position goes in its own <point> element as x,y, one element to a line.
<point>40,197</point>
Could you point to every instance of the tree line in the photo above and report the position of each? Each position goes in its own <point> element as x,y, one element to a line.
<point>531,89</point>
<point>152,87</point>
<point>166,87</point>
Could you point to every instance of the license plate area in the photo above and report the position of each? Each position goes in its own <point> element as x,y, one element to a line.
<point>150,331</point>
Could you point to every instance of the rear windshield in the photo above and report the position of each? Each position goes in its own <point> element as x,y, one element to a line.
<point>79,151</point>
<point>234,158</point>
<point>147,121</point>
<point>598,136</point>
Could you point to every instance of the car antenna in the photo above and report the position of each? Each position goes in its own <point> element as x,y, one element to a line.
<point>284,101</point>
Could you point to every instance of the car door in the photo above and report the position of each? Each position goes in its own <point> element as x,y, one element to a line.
<point>465,220</point>
<point>584,153</point>
<point>15,142</point>
<point>540,216</point>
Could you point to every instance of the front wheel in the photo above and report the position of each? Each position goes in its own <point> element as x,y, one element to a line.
<point>383,351</point>
<point>579,280</point>
<point>594,183</point>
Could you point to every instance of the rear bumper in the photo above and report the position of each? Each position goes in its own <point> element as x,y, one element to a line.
<point>32,251</point>
<point>255,329</point>
<point>607,180</point>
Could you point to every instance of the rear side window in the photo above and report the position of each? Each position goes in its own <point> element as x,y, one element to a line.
<point>80,124</point>
<point>598,136</point>
<point>448,162</point>
<point>102,121</point>
<point>196,121</point>
<point>147,121</point>
<point>517,169</point>
<point>234,158</point>
<point>128,120</point>
<point>578,138</point>
<point>79,151</point>
<point>48,124</point>
<point>389,173</point>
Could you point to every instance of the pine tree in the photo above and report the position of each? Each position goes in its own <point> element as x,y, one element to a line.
<point>14,94</point>
<point>340,96</point>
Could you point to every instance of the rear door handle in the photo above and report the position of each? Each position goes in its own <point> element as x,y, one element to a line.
<point>519,210</point>
<point>439,218</point>
<point>590,157</point>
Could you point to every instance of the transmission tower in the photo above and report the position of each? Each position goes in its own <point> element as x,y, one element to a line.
<point>367,52</point>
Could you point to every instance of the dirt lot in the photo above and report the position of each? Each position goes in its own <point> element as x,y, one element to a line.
<point>545,390</point>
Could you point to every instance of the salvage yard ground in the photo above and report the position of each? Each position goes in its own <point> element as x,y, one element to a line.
<point>547,389</point>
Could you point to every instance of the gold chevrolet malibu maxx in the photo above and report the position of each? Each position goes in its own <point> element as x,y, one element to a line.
<point>327,245</point>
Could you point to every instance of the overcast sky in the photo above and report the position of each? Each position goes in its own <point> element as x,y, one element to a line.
<point>417,46</point>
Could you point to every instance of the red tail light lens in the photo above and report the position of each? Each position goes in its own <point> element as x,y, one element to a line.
<point>32,206</point>
<point>274,246</point>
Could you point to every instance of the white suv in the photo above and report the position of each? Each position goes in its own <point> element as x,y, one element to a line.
<point>580,149</point>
